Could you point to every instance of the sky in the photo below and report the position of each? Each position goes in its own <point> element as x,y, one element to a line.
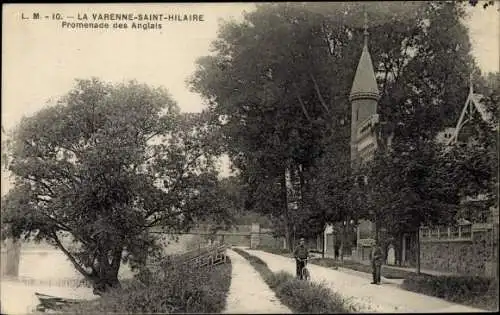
<point>41,59</point>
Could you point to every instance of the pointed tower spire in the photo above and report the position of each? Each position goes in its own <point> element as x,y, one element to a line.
<point>365,33</point>
<point>365,84</point>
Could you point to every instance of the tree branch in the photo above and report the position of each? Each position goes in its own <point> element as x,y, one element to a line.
<point>327,39</point>
<point>36,180</point>
<point>304,110</point>
<point>318,92</point>
<point>184,169</point>
<point>153,223</point>
<point>117,256</point>
<point>174,186</point>
<point>64,227</point>
<point>70,257</point>
<point>76,153</point>
<point>154,134</point>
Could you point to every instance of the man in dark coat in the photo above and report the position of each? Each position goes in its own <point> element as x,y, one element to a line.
<point>336,251</point>
<point>376,263</point>
<point>301,253</point>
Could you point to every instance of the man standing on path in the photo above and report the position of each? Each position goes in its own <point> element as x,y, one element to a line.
<point>301,253</point>
<point>336,248</point>
<point>376,262</point>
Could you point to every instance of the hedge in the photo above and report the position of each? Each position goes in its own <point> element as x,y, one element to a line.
<point>182,290</point>
<point>474,291</point>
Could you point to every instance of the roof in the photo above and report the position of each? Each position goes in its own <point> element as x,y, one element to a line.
<point>365,84</point>
<point>474,101</point>
<point>486,115</point>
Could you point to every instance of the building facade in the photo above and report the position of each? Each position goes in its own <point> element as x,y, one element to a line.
<point>364,98</point>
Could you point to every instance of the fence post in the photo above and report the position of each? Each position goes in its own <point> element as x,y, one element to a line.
<point>255,235</point>
<point>11,254</point>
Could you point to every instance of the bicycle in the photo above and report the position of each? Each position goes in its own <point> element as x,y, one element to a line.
<point>306,275</point>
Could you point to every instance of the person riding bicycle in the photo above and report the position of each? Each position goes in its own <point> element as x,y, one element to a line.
<point>301,253</point>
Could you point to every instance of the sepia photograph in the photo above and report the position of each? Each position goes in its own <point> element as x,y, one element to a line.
<point>250,158</point>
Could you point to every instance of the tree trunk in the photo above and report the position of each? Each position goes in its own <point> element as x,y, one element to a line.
<point>284,198</point>
<point>323,237</point>
<point>418,251</point>
<point>302,181</point>
<point>342,243</point>
<point>108,272</point>
<point>399,252</point>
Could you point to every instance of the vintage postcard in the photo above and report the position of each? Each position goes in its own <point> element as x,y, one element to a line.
<point>302,157</point>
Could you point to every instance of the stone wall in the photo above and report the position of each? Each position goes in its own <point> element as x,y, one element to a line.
<point>245,235</point>
<point>475,256</point>
<point>236,239</point>
<point>268,240</point>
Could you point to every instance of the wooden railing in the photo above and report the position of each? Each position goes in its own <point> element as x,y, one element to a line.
<point>213,256</point>
<point>446,233</point>
<point>68,283</point>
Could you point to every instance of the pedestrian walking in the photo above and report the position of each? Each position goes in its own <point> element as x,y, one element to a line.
<point>376,263</point>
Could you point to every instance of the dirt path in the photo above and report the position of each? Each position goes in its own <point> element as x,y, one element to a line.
<point>367,297</point>
<point>248,292</point>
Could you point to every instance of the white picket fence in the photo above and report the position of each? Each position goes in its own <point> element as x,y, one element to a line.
<point>64,283</point>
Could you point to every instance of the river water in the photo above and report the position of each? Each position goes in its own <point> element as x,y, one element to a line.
<point>46,270</point>
<point>40,271</point>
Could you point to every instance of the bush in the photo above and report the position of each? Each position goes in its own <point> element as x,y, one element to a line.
<point>275,280</point>
<point>474,291</point>
<point>299,296</point>
<point>181,290</point>
<point>308,297</point>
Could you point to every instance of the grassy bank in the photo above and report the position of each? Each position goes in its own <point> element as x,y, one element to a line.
<point>299,296</point>
<point>181,290</point>
<point>471,291</point>
<point>467,290</point>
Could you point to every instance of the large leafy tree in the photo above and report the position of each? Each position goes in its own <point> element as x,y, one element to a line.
<point>414,182</point>
<point>474,159</point>
<point>280,81</point>
<point>422,61</point>
<point>105,165</point>
<point>273,80</point>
